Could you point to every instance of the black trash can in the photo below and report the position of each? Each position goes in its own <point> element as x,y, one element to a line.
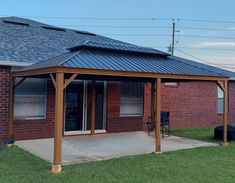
<point>219,133</point>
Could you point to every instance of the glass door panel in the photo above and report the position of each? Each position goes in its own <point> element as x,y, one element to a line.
<point>99,115</point>
<point>74,107</point>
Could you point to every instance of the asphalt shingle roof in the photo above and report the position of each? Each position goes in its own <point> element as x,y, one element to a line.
<point>35,42</point>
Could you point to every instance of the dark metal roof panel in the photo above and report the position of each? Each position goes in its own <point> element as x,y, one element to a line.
<point>128,62</point>
<point>100,60</point>
<point>119,47</point>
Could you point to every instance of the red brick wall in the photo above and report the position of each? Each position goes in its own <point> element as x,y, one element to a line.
<point>42,128</point>
<point>4,101</point>
<point>231,110</point>
<point>192,104</point>
<point>32,129</point>
<point>115,123</point>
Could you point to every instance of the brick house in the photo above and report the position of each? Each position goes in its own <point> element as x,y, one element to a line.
<point>120,105</point>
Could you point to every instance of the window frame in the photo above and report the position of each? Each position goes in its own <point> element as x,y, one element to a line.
<point>126,98</point>
<point>171,84</point>
<point>220,98</point>
<point>45,106</point>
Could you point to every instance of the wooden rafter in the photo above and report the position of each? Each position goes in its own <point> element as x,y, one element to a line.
<point>53,80</point>
<point>221,84</point>
<point>19,82</point>
<point>70,80</point>
<point>116,73</point>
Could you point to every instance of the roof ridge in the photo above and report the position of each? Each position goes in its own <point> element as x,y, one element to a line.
<point>75,53</point>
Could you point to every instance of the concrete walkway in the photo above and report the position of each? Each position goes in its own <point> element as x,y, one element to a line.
<point>79,149</point>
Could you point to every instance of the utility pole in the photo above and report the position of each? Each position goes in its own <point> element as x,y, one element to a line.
<point>173,38</point>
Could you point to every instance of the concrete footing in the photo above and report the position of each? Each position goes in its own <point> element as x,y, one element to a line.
<point>56,169</point>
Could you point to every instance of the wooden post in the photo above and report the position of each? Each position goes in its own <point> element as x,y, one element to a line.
<point>56,167</point>
<point>11,110</point>
<point>93,105</point>
<point>225,143</point>
<point>158,116</point>
<point>153,99</point>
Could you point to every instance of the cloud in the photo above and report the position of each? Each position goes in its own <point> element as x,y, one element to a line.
<point>231,28</point>
<point>214,44</point>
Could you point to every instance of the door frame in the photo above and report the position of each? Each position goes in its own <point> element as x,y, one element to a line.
<point>84,108</point>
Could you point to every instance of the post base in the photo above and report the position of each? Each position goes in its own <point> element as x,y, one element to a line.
<point>225,144</point>
<point>9,145</point>
<point>56,169</point>
<point>158,152</point>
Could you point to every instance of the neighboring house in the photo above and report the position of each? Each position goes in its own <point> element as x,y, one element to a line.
<point>121,106</point>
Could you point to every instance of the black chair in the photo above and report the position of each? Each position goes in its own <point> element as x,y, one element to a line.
<point>165,123</point>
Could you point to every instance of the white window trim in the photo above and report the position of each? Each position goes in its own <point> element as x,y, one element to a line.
<point>45,108</point>
<point>219,97</point>
<point>133,115</point>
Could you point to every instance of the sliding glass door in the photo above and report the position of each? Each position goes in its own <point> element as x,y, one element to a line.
<point>78,107</point>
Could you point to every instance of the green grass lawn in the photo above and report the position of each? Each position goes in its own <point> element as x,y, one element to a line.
<point>208,164</point>
<point>205,134</point>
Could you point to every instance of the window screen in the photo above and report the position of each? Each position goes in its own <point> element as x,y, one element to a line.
<point>220,100</point>
<point>131,103</point>
<point>30,99</point>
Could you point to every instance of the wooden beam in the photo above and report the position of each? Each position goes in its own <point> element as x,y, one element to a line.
<point>70,80</point>
<point>56,167</point>
<point>158,116</point>
<point>152,99</point>
<point>93,106</point>
<point>17,84</point>
<point>53,80</point>
<point>220,85</point>
<point>225,143</point>
<point>11,110</point>
<point>116,73</point>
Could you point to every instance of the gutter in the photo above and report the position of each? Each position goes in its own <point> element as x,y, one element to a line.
<point>15,63</point>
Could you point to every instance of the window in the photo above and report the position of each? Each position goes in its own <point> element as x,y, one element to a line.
<point>30,99</point>
<point>220,100</point>
<point>171,83</point>
<point>131,103</point>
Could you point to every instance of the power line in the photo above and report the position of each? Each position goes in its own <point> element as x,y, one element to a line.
<point>134,34</point>
<point>182,35</point>
<point>119,26</point>
<point>128,19</point>
<point>207,21</point>
<point>187,47</point>
<point>94,18</point>
<point>218,49</point>
<point>199,36</point>
<point>205,28</point>
<point>145,26</point>
<point>205,61</point>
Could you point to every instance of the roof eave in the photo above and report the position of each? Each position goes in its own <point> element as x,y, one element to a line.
<point>49,70</point>
<point>15,63</point>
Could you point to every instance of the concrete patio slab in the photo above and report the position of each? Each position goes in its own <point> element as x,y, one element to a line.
<point>80,149</point>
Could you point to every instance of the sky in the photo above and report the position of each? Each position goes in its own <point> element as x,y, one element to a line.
<point>145,23</point>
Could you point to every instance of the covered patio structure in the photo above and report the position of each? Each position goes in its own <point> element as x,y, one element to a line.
<point>98,61</point>
<point>88,148</point>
